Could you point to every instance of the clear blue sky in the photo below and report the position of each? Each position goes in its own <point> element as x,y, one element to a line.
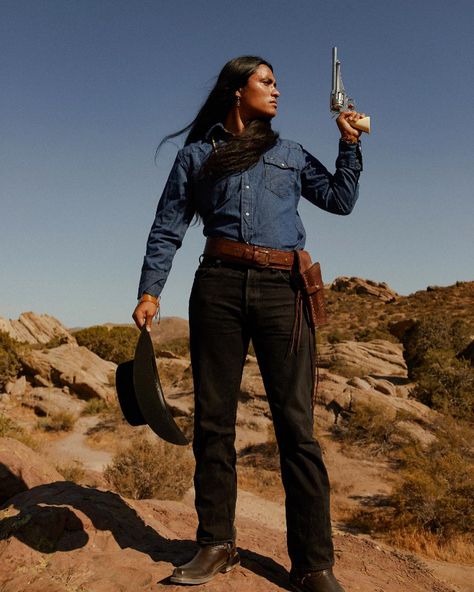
<point>89,87</point>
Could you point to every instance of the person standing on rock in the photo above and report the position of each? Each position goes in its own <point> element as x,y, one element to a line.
<point>244,183</point>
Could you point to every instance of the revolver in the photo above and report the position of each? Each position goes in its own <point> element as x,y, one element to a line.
<point>339,100</point>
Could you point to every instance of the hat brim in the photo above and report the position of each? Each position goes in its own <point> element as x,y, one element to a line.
<point>126,394</point>
<point>149,393</point>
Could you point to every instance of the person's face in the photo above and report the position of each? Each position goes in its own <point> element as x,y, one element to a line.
<point>258,98</point>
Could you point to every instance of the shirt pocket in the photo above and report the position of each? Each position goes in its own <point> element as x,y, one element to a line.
<point>280,176</point>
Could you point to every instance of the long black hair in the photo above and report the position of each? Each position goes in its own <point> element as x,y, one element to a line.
<point>243,150</point>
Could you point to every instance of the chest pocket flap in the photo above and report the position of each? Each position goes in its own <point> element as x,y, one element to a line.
<point>280,175</point>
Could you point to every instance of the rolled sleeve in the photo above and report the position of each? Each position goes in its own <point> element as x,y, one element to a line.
<point>173,216</point>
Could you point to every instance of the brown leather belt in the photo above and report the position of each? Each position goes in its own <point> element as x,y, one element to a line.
<point>251,255</point>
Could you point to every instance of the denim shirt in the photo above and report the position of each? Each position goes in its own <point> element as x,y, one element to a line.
<point>258,206</point>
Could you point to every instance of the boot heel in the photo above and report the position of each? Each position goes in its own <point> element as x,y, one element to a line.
<point>233,562</point>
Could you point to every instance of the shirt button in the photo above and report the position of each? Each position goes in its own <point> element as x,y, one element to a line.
<point>247,213</point>
<point>247,187</point>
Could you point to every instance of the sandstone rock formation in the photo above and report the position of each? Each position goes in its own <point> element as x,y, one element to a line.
<point>86,374</point>
<point>22,468</point>
<point>66,537</point>
<point>17,387</point>
<point>357,285</point>
<point>378,356</point>
<point>375,375</point>
<point>51,401</point>
<point>35,329</point>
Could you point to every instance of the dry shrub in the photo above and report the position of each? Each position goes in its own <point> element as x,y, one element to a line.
<point>10,429</point>
<point>151,470</point>
<point>95,406</point>
<point>373,427</point>
<point>342,368</point>
<point>178,346</point>
<point>431,509</point>
<point>57,422</point>
<point>10,365</point>
<point>73,471</point>
<point>261,482</point>
<point>116,344</point>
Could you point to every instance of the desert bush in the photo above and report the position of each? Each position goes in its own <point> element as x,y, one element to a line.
<point>342,368</point>
<point>57,422</point>
<point>446,384</point>
<point>336,336</point>
<point>430,509</point>
<point>438,484</point>
<point>95,406</point>
<point>151,470</point>
<point>7,426</point>
<point>10,429</point>
<point>370,333</point>
<point>179,346</point>
<point>73,471</point>
<point>432,333</point>
<point>10,363</point>
<point>56,341</point>
<point>116,344</point>
<point>373,427</point>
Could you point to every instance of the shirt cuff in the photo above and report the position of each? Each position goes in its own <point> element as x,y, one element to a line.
<point>151,282</point>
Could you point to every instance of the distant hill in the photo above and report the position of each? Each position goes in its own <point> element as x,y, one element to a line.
<point>355,314</point>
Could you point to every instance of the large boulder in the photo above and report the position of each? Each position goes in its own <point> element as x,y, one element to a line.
<point>36,329</point>
<point>85,373</point>
<point>21,468</point>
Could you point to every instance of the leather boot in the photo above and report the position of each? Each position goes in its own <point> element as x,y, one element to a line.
<point>315,581</point>
<point>208,561</point>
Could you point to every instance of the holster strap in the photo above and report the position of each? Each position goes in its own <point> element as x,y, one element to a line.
<point>245,254</point>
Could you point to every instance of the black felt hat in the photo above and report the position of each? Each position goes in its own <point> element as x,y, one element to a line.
<point>140,394</point>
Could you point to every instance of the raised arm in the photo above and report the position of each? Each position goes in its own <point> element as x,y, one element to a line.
<point>336,193</point>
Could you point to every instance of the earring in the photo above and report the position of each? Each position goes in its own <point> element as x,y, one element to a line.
<point>238,101</point>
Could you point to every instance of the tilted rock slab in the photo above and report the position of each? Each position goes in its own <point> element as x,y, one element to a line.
<point>51,401</point>
<point>35,329</point>
<point>21,468</point>
<point>85,373</point>
<point>67,537</point>
<point>379,356</point>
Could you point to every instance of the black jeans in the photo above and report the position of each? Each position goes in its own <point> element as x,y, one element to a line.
<point>230,305</point>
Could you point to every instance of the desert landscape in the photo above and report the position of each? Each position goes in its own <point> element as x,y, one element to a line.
<point>91,504</point>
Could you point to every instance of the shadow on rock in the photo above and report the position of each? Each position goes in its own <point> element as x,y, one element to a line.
<point>265,567</point>
<point>47,521</point>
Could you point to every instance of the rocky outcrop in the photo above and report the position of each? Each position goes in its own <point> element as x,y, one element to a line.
<point>83,372</point>
<point>355,285</point>
<point>372,373</point>
<point>97,541</point>
<point>21,468</point>
<point>378,357</point>
<point>52,401</point>
<point>36,329</point>
<point>17,387</point>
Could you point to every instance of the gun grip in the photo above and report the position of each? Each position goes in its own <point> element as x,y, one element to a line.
<point>363,125</point>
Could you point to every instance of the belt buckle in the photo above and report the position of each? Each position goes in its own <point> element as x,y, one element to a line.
<point>262,257</point>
